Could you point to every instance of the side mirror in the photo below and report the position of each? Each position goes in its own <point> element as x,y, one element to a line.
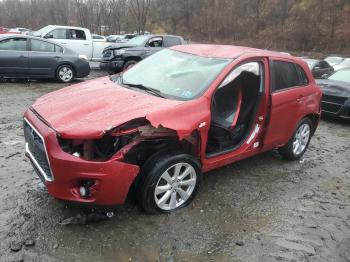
<point>48,36</point>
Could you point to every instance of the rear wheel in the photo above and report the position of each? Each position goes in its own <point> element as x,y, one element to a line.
<point>169,182</point>
<point>65,74</point>
<point>299,142</point>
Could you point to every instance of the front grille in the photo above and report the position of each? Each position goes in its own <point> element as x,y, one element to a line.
<point>330,107</point>
<point>334,99</point>
<point>35,148</point>
<point>107,53</point>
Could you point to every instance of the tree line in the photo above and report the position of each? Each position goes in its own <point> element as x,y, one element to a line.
<point>291,25</point>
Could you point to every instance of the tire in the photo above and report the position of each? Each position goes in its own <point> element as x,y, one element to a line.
<point>65,74</point>
<point>129,64</point>
<point>299,142</point>
<point>175,193</point>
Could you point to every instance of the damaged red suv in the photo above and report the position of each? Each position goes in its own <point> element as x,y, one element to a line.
<point>158,126</point>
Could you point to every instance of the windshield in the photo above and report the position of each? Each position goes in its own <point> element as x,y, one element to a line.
<point>346,62</point>
<point>41,31</point>
<point>334,60</point>
<point>342,75</point>
<point>138,40</point>
<point>175,74</point>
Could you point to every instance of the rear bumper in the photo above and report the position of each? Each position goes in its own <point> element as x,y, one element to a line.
<point>112,179</point>
<point>112,66</point>
<point>83,69</point>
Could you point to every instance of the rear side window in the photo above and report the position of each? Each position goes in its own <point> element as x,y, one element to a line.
<point>284,75</point>
<point>302,75</point>
<point>42,46</point>
<point>14,44</point>
<point>171,41</point>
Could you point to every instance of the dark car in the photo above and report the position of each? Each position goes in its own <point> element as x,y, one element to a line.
<point>319,68</point>
<point>336,94</point>
<point>119,57</point>
<point>30,57</point>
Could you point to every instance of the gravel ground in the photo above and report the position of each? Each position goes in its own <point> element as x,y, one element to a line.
<point>260,209</point>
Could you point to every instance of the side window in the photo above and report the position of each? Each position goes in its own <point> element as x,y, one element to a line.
<point>171,41</point>
<point>41,46</point>
<point>324,65</point>
<point>76,34</point>
<point>14,44</point>
<point>57,34</point>
<point>302,75</point>
<point>155,42</point>
<point>284,75</point>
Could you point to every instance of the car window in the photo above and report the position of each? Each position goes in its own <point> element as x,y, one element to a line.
<point>302,75</point>
<point>76,34</point>
<point>57,34</point>
<point>171,41</point>
<point>155,42</point>
<point>14,44</point>
<point>41,46</point>
<point>97,37</point>
<point>284,75</point>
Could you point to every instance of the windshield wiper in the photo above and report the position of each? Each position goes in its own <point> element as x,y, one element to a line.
<point>150,90</point>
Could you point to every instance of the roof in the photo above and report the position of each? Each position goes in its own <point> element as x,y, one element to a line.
<point>225,51</point>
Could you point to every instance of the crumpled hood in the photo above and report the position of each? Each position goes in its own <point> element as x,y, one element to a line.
<point>119,46</point>
<point>335,88</point>
<point>89,109</point>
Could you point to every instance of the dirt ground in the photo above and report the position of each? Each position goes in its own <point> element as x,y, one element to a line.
<point>260,209</point>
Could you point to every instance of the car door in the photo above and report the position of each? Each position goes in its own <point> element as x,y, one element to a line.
<point>154,45</point>
<point>43,58</point>
<point>287,100</point>
<point>14,57</point>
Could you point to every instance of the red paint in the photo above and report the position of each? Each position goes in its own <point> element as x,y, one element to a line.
<point>88,110</point>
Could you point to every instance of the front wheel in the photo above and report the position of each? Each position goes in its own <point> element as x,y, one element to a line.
<point>65,74</point>
<point>299,142</point>
<point>129,64</point>
<point>169,182</point>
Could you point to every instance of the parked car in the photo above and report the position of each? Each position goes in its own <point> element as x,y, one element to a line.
<point>19,30</point>
<point>75,38</point>
<point>119,57</point>
<point>336,94</point>
<point>97,37</point>
<point>125,38</point>
<point>334,59</point>
<point>25,56</point>
<point>3,30</point>
<point>342,65</point>
<point>319,68</point>
<point>158,126</point>
<point>113,38</point>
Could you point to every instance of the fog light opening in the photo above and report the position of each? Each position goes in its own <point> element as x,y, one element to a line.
<point>84,189</point>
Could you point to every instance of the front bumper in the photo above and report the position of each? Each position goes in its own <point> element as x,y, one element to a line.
<point>113,178</point>
<point>112,66</point>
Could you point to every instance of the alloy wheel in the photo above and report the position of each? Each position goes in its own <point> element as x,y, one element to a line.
<point>175,186</point>
<point>301,139</point>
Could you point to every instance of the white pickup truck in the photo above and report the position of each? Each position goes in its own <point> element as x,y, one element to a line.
<point>77,39</point>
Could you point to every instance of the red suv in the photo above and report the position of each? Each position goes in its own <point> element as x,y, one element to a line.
<point>161,124</point>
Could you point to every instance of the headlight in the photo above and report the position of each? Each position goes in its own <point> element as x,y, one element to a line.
<point>84,57</point>
<point>119,52</point>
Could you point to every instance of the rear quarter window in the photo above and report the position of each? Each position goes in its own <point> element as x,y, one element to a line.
<point>286,75</point>
<point>172,41</point>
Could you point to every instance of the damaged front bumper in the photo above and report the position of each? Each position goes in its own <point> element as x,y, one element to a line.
<point>65,174</point>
